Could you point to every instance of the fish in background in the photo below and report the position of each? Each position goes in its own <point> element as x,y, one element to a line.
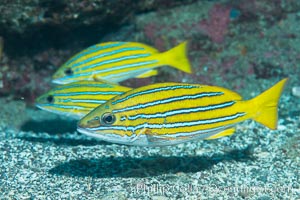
<point>173,113</point>
<point>77,99</point>
<point>118,61</point>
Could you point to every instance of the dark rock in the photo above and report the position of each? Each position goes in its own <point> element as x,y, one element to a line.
<point>40,24</point>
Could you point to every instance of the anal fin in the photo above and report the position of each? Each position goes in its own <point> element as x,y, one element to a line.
<point>148,74</point>
<point>224,133</point>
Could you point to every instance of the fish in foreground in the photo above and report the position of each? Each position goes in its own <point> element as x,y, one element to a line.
<point>172,113</point>
<point>118,61</point>
<point>77,99</point>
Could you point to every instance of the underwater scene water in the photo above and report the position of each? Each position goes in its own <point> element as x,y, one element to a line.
<point>153,99</point>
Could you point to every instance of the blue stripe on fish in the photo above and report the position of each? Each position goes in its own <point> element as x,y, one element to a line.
<point>170,125</point>
<point>66,106</point>
<point>168,100</point>
<point>205,131</point>
<point>101,85</point>
<point>123,75</point>
<point>111,69</point>
<point>113,61</point>
<point>182,111</point>
<point>83,101</point>
<point>88,93</point>
<point>76,65</point>
<point>153,91</point>
<point>94,49</point>
<point>122,118</point>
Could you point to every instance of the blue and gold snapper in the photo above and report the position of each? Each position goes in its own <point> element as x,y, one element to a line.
<point>172,113</point>
<point>77,99</point>
<point>118,61</point>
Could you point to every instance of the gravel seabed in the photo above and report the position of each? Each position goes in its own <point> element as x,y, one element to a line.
<point>42,157</point>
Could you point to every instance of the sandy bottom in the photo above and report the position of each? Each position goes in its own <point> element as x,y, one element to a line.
<point>46,158</point>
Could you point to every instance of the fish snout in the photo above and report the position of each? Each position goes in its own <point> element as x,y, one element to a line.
<point>87,126</point>
<point>83,124</point>
<point>89,123</point>
<point>60,81</point>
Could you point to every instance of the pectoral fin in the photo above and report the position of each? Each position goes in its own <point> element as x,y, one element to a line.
<point>224,133</point>
<point>148,74</point>
<point>99,79</point>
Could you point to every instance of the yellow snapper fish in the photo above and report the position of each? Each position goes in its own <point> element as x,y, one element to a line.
<point>172,113</point>
<point>77,99</point>
<point>118,61</point>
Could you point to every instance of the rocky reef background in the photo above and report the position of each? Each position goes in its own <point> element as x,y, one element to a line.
<point>244,45</point>
<point>38,36</point>
<point>231,42</point>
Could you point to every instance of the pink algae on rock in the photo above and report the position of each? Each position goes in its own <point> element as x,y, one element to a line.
<point>216,25</point>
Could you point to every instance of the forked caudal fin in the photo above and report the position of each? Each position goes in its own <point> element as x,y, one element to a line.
<point>266,105</point>
<point>177,58</point>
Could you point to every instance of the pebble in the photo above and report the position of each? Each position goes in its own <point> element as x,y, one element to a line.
<point>281,127</point>
<point>296,91</point>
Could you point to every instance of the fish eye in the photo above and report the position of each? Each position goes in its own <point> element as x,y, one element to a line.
<point>108,118</point>
<point>68,72</point>
<point>50,99</point>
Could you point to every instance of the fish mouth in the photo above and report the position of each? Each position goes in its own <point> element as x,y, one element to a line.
<point>104,137</point>
<point>109,137</point>
<point>92,134</point>
<point>42,107</point>
<point>57,81</point>
<point>85,131</point>
<point>38,105</point>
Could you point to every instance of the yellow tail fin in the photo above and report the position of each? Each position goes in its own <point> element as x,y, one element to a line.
<point>266,105</point>
<point>177,58</point>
